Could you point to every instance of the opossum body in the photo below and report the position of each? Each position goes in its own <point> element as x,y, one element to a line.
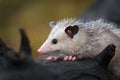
<point>72,36</point>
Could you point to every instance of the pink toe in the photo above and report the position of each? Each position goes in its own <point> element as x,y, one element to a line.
<point>74,58</point>
<point>66,58</point>
<point>70,58</point>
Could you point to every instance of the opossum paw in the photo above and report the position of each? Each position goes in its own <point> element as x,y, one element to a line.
<point>55,58</point>
<point>60,58</point>
<point>70,58</point>
<point>52,58</point>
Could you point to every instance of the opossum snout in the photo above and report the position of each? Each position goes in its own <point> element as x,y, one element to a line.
<point>40,51</point>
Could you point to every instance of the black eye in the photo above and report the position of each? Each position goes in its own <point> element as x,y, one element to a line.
<point>54,41</point>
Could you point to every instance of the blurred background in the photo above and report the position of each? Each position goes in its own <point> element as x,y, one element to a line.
<point>34,16</point>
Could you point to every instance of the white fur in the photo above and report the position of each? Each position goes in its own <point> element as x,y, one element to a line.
<point>94,27</point>
<point>89,25</point>
<point>90,34</point>
<point>90,40</point>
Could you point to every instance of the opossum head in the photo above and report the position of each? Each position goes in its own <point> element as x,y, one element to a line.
<point>66,36</point>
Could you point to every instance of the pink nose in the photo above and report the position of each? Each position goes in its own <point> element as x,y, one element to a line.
<point>40,51</point>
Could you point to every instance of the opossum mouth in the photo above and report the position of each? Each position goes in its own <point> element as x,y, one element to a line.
<point>51,52</point>
<point>56,51</point>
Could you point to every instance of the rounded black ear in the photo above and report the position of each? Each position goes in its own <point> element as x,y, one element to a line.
<point>106,55</point>
<point>72,30</point>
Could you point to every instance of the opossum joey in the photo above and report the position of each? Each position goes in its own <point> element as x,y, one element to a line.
<point>74,37</point>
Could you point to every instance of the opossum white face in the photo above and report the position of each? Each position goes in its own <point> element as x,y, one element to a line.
<point>64,38</point>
